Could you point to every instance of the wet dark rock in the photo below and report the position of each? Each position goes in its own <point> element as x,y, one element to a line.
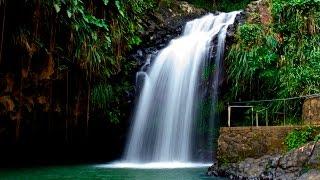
<point>161,26</point>
<point>166,24</point>
<point>230,38</point>
<point>288,166</point>
<point>213,170</point>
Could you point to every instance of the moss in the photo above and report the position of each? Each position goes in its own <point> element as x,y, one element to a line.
<point>224,160</point>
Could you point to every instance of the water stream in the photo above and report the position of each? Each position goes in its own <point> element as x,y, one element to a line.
<point>166,113</point>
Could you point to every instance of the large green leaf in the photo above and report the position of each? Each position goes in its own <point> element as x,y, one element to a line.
<point>105,2</point>
<point>57,5</point>
<point>120,7</point>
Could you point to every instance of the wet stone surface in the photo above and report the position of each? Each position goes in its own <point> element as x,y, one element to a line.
<point>301,163</point>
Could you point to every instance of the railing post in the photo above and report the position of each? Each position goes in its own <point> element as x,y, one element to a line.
<point>229,115</point>
<point>267,123</point>
<point>257,119</point>
<point>252,116</point>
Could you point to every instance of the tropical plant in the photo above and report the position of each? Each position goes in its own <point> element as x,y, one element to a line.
<point>280,59</point>
<point>221,5</point>
<point>299,137</point>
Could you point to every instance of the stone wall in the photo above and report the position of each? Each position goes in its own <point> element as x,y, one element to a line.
<point>311,111</point>
<point>238,143</point>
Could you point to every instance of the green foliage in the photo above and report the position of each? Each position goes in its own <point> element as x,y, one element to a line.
<point>98,41</point>
<point>293,120</point>
<point>105,2</point>
<point>204,110</point>
<point>231,5</point>
<point>250,33</point>
<point>221,5</point>
<point>101,32</point>
<point>281,6</point>
<point>102,94</point>
<point>206,4</point>
<point>297,138</point>
<point>254,53</point>
<point>280,59</point>
<point>165,3</point>
<point>317,138</point>
<point>208,71</point>
<point>108,97</point>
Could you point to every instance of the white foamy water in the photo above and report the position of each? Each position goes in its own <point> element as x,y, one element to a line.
<point>154,165</point>
<point>163,125</point>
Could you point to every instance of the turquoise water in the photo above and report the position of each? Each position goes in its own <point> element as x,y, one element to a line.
<point>96,172</point>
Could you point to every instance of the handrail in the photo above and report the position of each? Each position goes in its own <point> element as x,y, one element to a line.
<point>265,109</point>
<point>282,99</point>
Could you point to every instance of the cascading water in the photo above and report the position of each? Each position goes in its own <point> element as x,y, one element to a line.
<point>166,112</point>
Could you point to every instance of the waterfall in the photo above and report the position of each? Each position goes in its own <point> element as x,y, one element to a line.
<point>166,113</point>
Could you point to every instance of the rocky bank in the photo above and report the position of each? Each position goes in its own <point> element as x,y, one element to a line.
<point>301,163</point>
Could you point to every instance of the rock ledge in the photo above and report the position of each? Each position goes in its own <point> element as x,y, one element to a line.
<point>301,163</point>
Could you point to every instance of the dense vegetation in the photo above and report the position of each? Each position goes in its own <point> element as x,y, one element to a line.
<point>277,55</point>
<point>102,32</point>
<point>299,137</point>
<point>81,42</point>
<point>221,5</point>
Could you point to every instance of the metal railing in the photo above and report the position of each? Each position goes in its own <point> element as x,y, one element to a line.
<point>252,105</point>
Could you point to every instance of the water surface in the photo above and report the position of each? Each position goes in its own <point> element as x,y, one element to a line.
<point>101,172</point>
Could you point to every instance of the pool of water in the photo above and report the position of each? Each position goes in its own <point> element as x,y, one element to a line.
<point>104,172</point>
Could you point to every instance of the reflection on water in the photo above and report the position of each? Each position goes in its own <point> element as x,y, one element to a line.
<point>100,172</point>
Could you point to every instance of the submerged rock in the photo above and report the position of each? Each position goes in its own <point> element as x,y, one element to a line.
<point>291,165</point>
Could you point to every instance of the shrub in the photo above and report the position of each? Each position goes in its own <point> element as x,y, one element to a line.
<point>297,138</point>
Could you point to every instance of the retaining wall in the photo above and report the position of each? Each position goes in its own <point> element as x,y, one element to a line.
<point>238,143</point>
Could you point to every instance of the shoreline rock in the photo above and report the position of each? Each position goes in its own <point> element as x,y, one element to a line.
<point>301,163</point>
